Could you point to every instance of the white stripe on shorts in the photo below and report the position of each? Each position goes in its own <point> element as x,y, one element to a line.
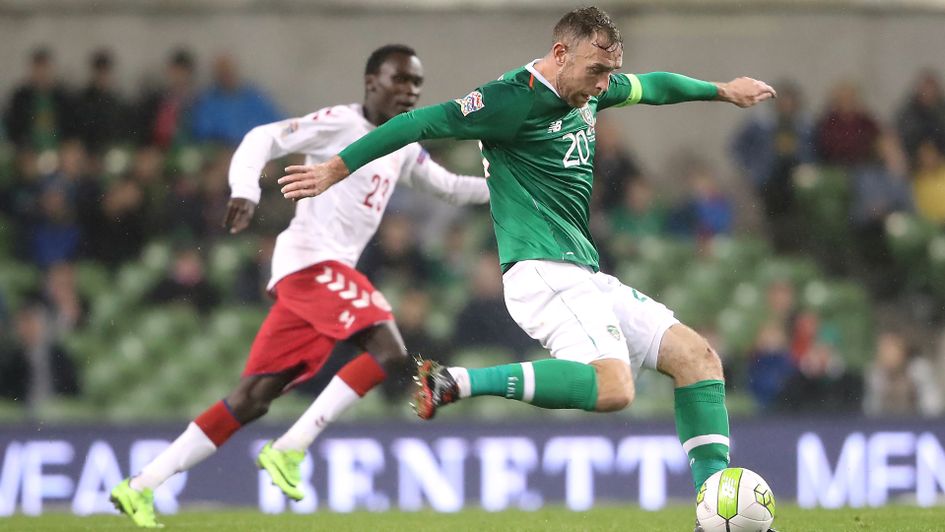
<point>705,439</point>
<point>528,387</point>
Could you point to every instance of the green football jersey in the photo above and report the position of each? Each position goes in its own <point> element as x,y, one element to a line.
<point>539,161</point>
<point>539,153</point>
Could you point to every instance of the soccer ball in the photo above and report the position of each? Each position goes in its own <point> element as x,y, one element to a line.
<point>735,500</point>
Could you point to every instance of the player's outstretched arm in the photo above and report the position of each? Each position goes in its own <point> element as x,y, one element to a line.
<point>493,112</point>
<point>665,88</point>
<point>303,181</point>
<point>745,92</point>
<point>423,173</point>
<point>263,144</point>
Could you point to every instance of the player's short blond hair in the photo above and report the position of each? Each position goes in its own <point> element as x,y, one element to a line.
<point>588,23</point>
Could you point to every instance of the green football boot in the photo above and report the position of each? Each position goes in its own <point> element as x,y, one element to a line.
<point>138,505</point>
<point>284,468</point>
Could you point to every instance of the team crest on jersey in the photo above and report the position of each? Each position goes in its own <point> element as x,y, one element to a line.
<point>588,115</point>
<point>471,103</point>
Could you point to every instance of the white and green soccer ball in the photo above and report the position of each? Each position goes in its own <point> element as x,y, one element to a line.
<point>735,500</point>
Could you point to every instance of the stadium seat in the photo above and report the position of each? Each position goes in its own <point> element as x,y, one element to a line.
<point>823,202</point>
<point>92,279</point>
<point>738,255</point>
<point>936,261</point>
<point>738,327</point>
<point>210,392</point>
<point>7,237</point>
<point>748,296</point>
<point>67,410</point>
<point>116,162</point>
<point>7,163</point>
<point>481,357</point>
<point>232,330</point>
<point>908,238</point>
<point>163,328</point>
<point>16,279</point>
<point>110,313</point>
<point>141,404</point>
<point>666,258</point>
<point>708,286</point>
<point>451,297</point>
<point>641,276</point>
<point>740,404</point>
<point>135,280</point>
<point>186,159</point>
<point>676,298</point>
<point>225,260</point>
<point>102,381</point>
<point>156,256</point>
<point>780,268</point>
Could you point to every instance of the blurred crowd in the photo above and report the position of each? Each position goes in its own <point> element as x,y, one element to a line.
<point>94,175</point>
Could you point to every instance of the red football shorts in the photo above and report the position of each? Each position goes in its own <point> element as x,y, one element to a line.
<point>314,308</point>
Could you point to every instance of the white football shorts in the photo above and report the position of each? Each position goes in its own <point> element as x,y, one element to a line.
<point>584,316</point>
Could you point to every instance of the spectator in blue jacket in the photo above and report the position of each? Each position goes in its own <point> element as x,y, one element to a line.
<point>231,107</point>
<point>768,147</point>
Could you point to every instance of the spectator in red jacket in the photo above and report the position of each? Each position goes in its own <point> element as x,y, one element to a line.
<point>846,132</point>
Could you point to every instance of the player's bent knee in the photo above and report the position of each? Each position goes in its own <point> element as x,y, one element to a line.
<point>703,363</point>
<point>688,358</point>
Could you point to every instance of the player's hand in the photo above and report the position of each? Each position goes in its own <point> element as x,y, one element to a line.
<point>303,181</point>
<point>745,92</point>
<point>239,212</point>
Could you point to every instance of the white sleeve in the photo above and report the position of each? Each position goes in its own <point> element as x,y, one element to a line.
<point>271,141</point>
<point>423,173</point>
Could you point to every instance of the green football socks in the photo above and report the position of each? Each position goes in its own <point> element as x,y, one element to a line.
<point>702,426</point>
<point>555,384</point>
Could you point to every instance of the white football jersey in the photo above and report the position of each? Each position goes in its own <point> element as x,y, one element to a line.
<point>337,224</point>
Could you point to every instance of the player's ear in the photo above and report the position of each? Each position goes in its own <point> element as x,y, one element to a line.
<point>559,50</point>
<point>369,82</point>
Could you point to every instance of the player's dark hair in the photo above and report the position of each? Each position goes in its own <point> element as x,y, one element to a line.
<point>588,23</point>
<point>380,55</point>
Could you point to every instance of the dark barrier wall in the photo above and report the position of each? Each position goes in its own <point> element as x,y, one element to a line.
<point>829,463</point>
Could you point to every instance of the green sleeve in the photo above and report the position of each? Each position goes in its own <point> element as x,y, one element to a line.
<point>662,88</point>
<point>622,90</point>
<point>491,113</point>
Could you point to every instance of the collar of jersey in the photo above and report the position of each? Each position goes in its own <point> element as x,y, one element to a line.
<point>359,110</point>
<point>531,68</point>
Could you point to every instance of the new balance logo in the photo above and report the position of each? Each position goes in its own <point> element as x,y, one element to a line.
<point>554,127</point>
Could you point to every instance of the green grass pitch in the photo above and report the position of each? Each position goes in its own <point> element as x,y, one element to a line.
<point>671,519</point>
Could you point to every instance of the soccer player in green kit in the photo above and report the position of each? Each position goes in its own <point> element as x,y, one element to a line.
<point>536,128</point>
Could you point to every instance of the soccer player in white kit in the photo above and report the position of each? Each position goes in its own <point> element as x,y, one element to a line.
<point>319,297</point>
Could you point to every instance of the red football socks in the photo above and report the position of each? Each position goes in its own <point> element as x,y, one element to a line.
<point>362,373</point>
<point>218,423</point>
